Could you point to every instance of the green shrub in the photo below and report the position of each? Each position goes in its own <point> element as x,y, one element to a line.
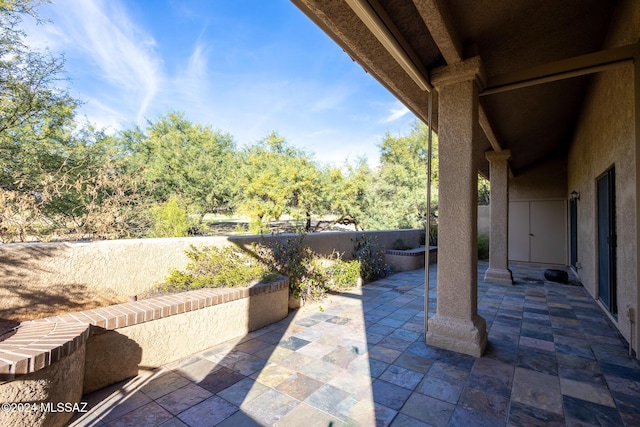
<point>483,246</point>
<point>433,235</point>
<point>423,237</point>
<point>215,267</point>
<point>240,229</point>
<point>400,245</point>
<point>170,219</point>
<point>313,284</point>
<point>287,256</point>
<point>292,258</point>
<point>342,274</point>
<point>310,275</point>
<point>324,274</point>
<point>256,226</point>
<point>371,258</point>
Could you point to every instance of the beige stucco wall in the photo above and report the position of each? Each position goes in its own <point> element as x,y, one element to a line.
<point>126,266</point>
<point>342,242</point>
<point>115,355</point>
<point>129,267</point>
<point>604,138</point>
<point>484,220</point>
<point>60,382</point>
<point>405,260</point>
<point>544,181</point>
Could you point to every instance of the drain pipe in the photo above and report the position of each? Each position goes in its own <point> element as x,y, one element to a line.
<point>428,222</point>
<point>631,318</point>
<point>631,340</point>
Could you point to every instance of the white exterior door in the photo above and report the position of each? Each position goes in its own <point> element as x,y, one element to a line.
<point>538,231</point>
<point>519,231</point>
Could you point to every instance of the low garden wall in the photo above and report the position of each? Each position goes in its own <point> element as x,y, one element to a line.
<point>410,259</point>
<point>484,220</point>
<point>56,360</point>
<point>130,267</point>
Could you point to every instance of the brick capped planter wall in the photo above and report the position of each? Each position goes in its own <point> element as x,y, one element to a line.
<point>409,259</point>
<point>58,359</point>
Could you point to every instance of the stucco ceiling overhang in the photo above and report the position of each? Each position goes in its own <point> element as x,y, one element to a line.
<point>534,122</point>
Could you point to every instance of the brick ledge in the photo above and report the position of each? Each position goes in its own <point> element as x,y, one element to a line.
<point>39,343</point>
<point>420,250</point>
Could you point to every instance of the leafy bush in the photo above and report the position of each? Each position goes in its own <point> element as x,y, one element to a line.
<point>310,275</point>
<point>371,258</point>
<point>483,246</point>
<point>257,226</point>
<point>288,257</point>
<point>400,245</point>
<point>433,235</point>
<point>240,230</point>
<point>215,267</point>
<point>342,274</point>
<point>170,219</point>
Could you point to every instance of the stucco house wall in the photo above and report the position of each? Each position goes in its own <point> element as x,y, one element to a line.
<point>605,137</point>
<point>545,181</point>
<point>484,220</point>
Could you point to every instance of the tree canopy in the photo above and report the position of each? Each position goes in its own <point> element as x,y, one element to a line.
<point>189,160</point>
<point>279,179</point>
<point>398,194</point>
<point>62,178</point>
<point>57,176</point>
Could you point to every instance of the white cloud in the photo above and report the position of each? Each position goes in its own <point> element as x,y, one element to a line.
<point>235,83</point>
<point>321,132</point>
<point>191,85</point>
<point>334,99</point>
<point>121,54</point>
<point>103,116</point>
<point>395,114</point>
<point>197,65</point>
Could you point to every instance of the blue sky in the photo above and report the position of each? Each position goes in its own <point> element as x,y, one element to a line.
<point>245,67</point>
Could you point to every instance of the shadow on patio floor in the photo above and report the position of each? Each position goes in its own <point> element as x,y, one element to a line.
<point>359,358</point>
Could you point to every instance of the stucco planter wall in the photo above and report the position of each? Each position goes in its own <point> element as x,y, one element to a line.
<point>409,259</point>
<point>59,383</point>
<point>115,355</point>
<point>133,266</point>
<point>58,359</point>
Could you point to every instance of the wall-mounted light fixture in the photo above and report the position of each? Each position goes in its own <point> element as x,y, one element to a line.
<point>575,196</point>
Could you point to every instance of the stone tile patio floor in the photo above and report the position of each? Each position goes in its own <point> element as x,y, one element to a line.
<point>359,358</point>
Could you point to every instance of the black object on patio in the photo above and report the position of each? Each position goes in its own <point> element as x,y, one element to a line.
<point>554,275</point>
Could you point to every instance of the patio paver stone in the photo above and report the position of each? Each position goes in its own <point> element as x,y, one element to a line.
<point>359,358</point>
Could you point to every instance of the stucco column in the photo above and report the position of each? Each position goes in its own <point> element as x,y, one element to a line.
<point>498,271</point>
<point>456,325</point>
